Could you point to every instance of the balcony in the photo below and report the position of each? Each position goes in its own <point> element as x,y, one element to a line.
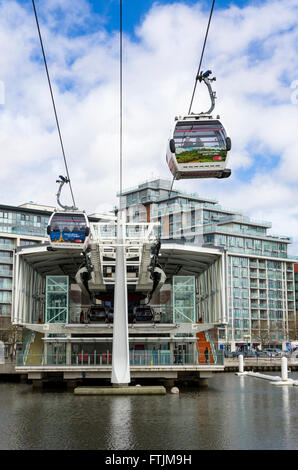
<point>254,296</point>
<point>6,273</point>
<point>7,247</point>
<point>253,264</point>
<point>253,285</point>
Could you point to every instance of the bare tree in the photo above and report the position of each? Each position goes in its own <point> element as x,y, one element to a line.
<point>268,336</point>
<point>12,336</point>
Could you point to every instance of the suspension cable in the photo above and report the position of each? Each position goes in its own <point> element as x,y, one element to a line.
<point>121,100</point>
<point>197,76</point>
<point>53,102</point>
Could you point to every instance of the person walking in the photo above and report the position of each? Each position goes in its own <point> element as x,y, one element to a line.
<point>175,355</point>
<point>206,353</point>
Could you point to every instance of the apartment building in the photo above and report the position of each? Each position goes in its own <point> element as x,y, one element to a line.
<point>23,225</point>
<point>259,274</point>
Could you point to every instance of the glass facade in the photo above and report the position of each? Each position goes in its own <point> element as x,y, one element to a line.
<point>184,299</point>
<point>17,225</point>
<point>263,308</point>
<point>6,243</point>
<point>23,222</point>
<point>248,245</point>
<point>57,299</point>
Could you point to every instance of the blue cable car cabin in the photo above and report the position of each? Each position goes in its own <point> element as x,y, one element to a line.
<point>69,230</point>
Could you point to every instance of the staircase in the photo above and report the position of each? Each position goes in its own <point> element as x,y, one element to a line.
<point>34,355</point>
<point>202,343</point>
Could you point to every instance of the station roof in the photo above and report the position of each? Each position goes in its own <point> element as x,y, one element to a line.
<point>54,263</point>
<point>175,259</point>
<point>186,260</point>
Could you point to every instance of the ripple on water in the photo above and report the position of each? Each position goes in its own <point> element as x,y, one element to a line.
<point>233,413</point>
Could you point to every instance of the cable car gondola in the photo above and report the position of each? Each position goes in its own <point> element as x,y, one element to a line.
<point>198,148</point>
<point>198,145</point>
<point>68,228</point>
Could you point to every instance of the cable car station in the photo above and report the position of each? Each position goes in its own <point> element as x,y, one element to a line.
<point>68,323</point>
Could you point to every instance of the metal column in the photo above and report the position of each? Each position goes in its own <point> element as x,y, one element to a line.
<point>120,357</point>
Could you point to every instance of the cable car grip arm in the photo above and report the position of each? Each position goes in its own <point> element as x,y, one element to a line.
<point>62,181</point>
<point>204,77</point>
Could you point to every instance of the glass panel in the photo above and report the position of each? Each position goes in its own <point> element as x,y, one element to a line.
<point>199,135</point>
<point>184,291</point>
<point>57,298</point>
<point>196,142</point>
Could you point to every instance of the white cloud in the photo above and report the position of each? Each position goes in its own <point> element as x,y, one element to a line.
<point>254,61</point>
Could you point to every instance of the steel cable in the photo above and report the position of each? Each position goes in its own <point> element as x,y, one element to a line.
<point>121,100</point>
<point>53,101</point>
<point>202,54</point>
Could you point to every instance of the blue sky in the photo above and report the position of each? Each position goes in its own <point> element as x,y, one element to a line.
<point>255,62</point>
<point>135,10</point>
<point>105,13</point>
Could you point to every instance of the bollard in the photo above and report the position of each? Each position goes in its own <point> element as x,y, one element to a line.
<point>284,369</point>
<point>241,368</point>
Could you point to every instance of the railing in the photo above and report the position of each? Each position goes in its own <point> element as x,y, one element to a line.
<point>137,358</point>
<point>28,340</point>
<point>137,231</point>
<point>6,259</point>
<point>7,247</point>
<point>243,219</point>
<point>6,273</point>
<point>261,360</point>
<point>214,352</point>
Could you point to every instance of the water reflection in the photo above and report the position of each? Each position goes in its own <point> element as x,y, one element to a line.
<point>121,435</point>
<point>286,411</point>
<point>233,413</point>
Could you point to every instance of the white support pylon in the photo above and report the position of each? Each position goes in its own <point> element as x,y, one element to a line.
<point>120,356</point>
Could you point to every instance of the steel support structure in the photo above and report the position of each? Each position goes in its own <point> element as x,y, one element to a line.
<point>120,358</point>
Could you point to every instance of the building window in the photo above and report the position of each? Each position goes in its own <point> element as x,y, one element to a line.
<point>5,283</point>
<point>209,238</point>
<point>5,309</point>
<point>5,296</point>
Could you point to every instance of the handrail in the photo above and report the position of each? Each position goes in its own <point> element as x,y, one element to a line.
<point>148,357</point>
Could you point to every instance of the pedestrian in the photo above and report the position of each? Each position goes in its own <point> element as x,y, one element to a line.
<point>206,353</point>
<point>180,355</point>
<point>175,356</point>
<point>82,317</point>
